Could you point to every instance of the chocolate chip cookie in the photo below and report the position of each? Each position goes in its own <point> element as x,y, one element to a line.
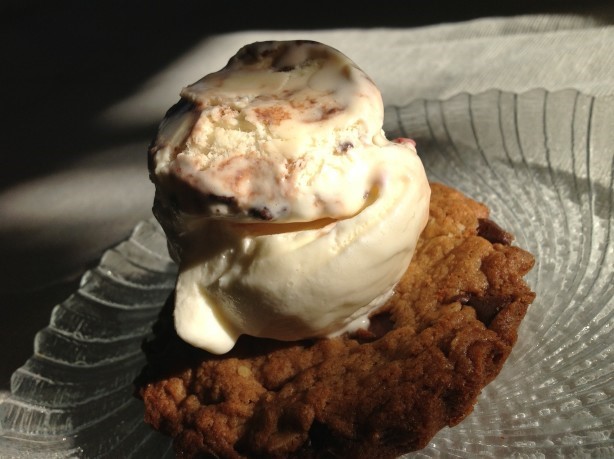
<point>378,393</point>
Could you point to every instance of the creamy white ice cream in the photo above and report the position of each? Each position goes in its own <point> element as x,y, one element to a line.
<point>290,213</point>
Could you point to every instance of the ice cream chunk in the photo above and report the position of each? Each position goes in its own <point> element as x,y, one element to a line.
<point>290,213</point>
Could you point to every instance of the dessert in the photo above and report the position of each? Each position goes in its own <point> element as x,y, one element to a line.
<point>286,203</point>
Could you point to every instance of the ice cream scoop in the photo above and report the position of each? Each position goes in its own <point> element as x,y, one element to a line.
<point>289,212</point>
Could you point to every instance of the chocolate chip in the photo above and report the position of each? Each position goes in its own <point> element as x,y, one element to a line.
<point>486,308</point>
<point>379,325</point>
<point>344,147</point>
<point>285,68</point>
<point>249,54</point>
<point>261,213</point>
<point>190,199</point>
<point>230,200</point>
<point>493,233</point>
<point>182,105</point>
<point>321,438</point>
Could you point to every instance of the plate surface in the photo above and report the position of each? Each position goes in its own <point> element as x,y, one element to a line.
<point>543,162</point>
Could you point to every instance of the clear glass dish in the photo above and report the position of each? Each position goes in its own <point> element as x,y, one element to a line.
<point>543,162</point>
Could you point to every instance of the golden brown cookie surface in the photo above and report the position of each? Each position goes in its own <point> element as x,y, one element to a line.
<point>380,393</point>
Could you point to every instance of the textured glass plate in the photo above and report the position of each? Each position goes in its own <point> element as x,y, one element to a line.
<point>543,162</point>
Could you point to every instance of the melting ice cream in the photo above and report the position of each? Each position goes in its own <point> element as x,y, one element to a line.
<point>289,212</point>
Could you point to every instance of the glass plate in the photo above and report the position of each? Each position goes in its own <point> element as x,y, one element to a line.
<point>543,162</point>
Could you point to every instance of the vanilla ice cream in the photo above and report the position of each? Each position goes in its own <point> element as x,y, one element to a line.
<point>290,213</point>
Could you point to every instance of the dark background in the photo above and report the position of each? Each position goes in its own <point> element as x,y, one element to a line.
<point>63,62</point>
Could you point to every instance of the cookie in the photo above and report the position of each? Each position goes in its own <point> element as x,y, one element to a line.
<point>378,393</point>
